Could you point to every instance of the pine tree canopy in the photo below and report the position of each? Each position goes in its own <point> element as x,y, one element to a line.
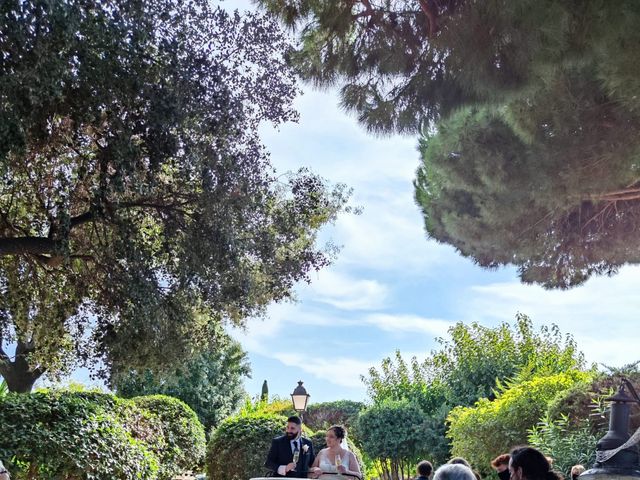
<point>528,113</point>
<point>137,205</point>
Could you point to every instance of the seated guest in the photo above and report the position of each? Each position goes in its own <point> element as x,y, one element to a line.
<point>424,469</point>
<point>501,465</point>
<point>527,463</point>
<point>454,471</point>
<point>576,471</point>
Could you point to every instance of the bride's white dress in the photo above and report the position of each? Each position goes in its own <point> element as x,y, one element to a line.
<point>329,469</point>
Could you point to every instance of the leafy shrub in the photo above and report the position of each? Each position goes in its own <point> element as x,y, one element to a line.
<point>275,407</point>
<point>489,428</point>
<point>392,433</point>
<point>58,435</point>
<point>238,448</point>
<point>566,444</point>
<point>185,438</point>
<point>323,415</point>
<point>580,401</point>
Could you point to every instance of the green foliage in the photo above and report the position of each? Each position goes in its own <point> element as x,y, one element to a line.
<point>185,438</point>
<point>59,435</point>
<point>473,362</point>
<point>489,428</point>
<point>320,416</point>
<point>398,381</point>
<point>567,446</point>
<point>476,360</point>
<point>238,447</point>
<point>496,189</point>
<point>138,208</point>
<point>395,434</point>
<point>533,114</point>
<point>210,382</point>
<point>276,406</point>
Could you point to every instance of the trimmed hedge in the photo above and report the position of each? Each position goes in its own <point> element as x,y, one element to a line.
<point>185,445</point>
<point>238,448</point>
<point>57,435</point>
<point>88,435</point>
<point>341,412</point>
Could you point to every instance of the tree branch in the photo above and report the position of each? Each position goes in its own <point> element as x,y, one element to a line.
<point>432,17</point>
<point>26,245</point>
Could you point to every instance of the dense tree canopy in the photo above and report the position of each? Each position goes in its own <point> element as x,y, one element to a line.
<point>136,201</point>
<point>539,168</point>
<point>210,382</point>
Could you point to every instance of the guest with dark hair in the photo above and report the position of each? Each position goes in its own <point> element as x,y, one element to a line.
<point>527,463</point>
<point>336,458</point>
<point>424,469</point>
<point>290,454</point>
<point>501,465</point>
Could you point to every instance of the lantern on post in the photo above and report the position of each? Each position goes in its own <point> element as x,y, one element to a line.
<point>617,452</point>
<point>299,398</point>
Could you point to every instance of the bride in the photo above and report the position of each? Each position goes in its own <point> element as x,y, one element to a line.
<point>335,459</point>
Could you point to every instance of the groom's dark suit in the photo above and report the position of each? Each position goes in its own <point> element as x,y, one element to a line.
<point>281,453</point>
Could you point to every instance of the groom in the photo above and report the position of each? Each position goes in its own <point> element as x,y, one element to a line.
<point>281,453</point>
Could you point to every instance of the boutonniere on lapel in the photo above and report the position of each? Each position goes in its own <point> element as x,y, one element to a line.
<point>305,448</point>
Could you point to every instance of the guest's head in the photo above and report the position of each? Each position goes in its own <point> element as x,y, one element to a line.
<point>459,461</point>
<point>501,465</point>
<point>335,435</point>
<point>576,471</point>
<point>294,426</point>
<point>454,471</point>
<point>424,468</point>
<point>527,463</point>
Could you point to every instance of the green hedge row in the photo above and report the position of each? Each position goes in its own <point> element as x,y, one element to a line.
<point>82,435</point>
<point>238,448</point>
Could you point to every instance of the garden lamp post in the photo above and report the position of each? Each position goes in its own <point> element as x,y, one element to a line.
<point>617,452</point>
<point>300,397</point>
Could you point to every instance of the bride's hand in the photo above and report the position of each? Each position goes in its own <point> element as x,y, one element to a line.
<point>315,472</point>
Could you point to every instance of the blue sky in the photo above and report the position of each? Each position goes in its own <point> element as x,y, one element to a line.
<point>392,288</point>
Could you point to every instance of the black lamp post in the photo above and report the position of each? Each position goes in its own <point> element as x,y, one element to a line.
<point>300,397</point>
<point>617,452</point>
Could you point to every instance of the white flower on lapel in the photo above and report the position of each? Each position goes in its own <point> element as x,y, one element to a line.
<point>305,448</point>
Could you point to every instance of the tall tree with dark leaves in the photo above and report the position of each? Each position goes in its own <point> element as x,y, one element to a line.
<point>535,101</point>
<point>137,205</point>
<point>210,381</point>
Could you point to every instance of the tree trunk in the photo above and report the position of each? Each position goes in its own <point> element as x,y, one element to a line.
<point>19,376</point>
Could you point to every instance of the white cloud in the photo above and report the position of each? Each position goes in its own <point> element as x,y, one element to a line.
<point>340,371</point>
<point>409,323</point>
<point>346,292</point>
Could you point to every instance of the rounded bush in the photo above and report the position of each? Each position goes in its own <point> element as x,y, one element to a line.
<point>185,445</point>
<point>238,448</point>
<point>341,412</point>
<point>57,435</point>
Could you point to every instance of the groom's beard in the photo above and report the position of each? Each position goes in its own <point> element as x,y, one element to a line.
<point>291,435</point>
